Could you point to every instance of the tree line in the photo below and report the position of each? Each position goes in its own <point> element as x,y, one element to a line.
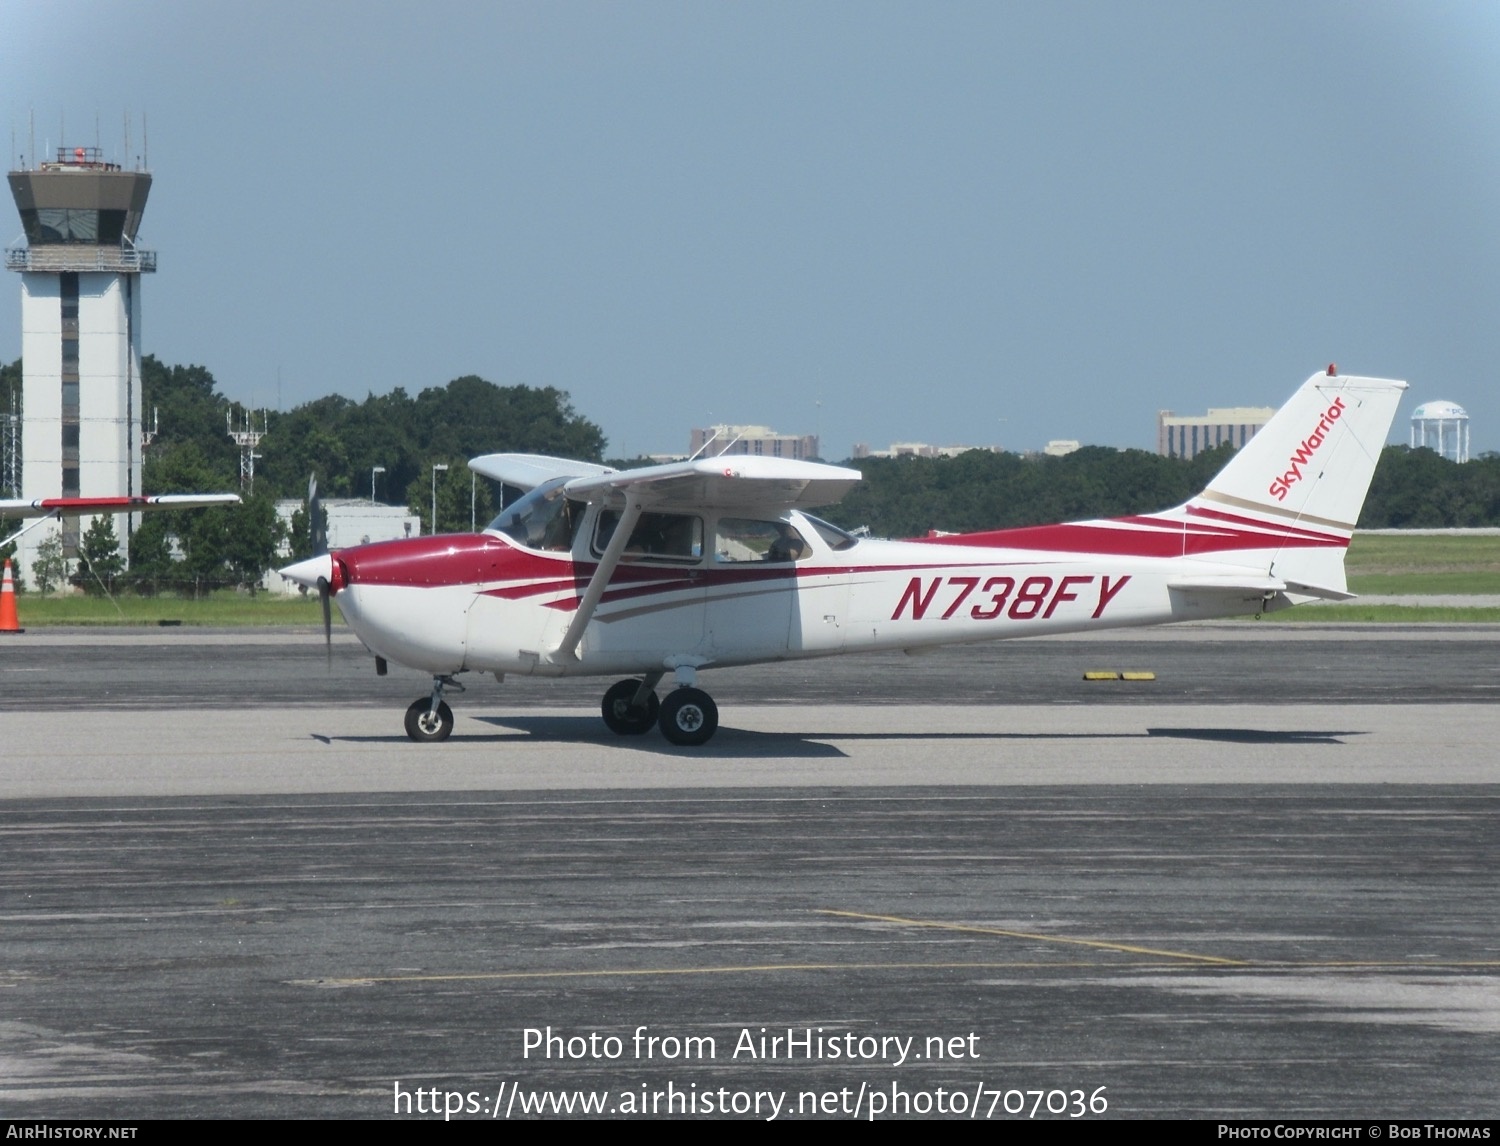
<point>339,440</point>
<point>907,496</point>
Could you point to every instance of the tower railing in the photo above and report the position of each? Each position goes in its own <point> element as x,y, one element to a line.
<point>52,259</point>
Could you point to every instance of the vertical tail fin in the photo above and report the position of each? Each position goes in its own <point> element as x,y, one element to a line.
<point>1306,473</point>
<point>1312,463</point>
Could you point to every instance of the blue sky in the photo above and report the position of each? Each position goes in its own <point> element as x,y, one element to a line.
<point>957,223</point>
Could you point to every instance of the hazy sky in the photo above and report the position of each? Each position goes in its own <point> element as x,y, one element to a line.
<point>957,223</point>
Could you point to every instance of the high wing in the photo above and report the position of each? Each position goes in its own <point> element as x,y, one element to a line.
<point>738,482</point>
<point>527,471</point>
<point>45,507</point>
<point>726,482</point>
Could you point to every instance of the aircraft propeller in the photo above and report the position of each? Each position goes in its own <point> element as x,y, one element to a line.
<point>320,547</point>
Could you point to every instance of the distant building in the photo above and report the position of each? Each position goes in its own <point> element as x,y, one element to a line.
<point>752,441</point>
<point>918,450</point>
<point>1061,447</point>
<point>351,521</point>
<point>1443,427</point>
<point>1189,436</point>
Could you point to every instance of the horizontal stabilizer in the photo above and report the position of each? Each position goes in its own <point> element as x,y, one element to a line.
<point>1306,590</point>
<point>1253,586</point>
<point>1245,586</point>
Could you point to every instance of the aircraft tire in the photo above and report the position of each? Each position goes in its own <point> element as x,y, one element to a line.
<point>688,716</point>
<point>626,719</point>
<point>426,727</point>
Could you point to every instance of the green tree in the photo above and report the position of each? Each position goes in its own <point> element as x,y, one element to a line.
<point>254,534</point>
<point>1419,488</point>
<point>233,546</point>
<point>461,498</point>
<point>183,405</point>
<point>99,560</point>
<point>342,441</point>
<point>50,569</point>
<point>151,549</point>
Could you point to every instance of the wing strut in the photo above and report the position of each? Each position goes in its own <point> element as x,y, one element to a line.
<point>602,573</point>
<point>29,528</point>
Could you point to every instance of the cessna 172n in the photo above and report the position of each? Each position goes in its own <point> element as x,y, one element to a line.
<point>711,562</point>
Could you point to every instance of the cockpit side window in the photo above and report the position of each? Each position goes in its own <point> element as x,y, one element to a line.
<point>835,538</point>
<point>543,519</point>
<point>673,537</point>
<point>743,539</point>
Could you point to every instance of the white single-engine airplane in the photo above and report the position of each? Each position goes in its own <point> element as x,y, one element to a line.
<point>698,564</point>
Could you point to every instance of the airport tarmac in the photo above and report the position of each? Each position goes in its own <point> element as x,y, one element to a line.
<point>1262,885</point>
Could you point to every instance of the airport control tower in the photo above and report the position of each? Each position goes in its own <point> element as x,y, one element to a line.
<point>80,334</point>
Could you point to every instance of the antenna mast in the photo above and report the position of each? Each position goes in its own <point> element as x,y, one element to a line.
<point>247,437</point>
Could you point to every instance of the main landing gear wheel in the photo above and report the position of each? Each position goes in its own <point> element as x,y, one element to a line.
<point>688,716</point>
<point>426,726</point>
<point>625,718</point>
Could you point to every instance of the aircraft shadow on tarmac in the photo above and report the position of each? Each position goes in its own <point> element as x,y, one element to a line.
<point>1253,735</point>
<point>741,742</point>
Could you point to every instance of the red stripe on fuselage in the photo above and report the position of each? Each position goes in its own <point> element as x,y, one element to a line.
<point>448,560</point>
<point>1273,527</point>
<point>1119,539</point>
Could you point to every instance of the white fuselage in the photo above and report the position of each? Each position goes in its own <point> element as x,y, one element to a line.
<point>487,603</point>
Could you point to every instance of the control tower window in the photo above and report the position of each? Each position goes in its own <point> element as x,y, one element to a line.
<point>51,225</point>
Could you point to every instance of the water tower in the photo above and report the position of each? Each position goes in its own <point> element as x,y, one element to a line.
<point>80,333</point>
<point>1442,427</point>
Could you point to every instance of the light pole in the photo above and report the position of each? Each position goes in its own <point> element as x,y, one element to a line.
<point>436,467</point>
<point>373,471</point>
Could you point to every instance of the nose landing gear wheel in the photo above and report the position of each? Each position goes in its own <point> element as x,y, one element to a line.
<point>688,716</point>
<point>624,718</point>
<point>426,726</point>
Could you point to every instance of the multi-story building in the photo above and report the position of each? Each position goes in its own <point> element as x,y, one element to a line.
<point>1189,435</point>
<point>918,450</point>
<point>753,441</point>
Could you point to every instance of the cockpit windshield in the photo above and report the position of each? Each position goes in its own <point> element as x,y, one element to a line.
<point>543,519</point>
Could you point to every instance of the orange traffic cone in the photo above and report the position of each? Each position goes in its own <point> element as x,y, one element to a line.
<point>9,623</point>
